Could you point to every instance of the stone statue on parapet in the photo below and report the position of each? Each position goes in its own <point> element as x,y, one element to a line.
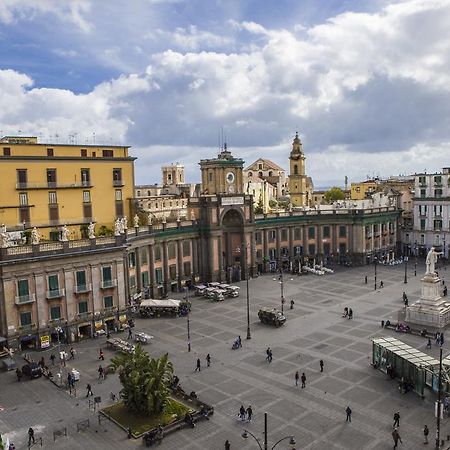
<point>4,238</point>
<point>431,261</point>
<point>124,224</point>
<point>136,221</point>
<point>91,230</point>
<point>64,233</point>
<point>117,227</point>
<point>149,219</point>
<point>35,237</point>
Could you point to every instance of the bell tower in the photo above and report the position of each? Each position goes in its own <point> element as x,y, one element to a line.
<point>297,177</point>
<point>222,175</point>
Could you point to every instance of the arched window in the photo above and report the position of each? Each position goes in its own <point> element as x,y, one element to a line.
<point>260,174</point>
<point>270,173</point>
<point>295,169</point>
<point>250,174</point>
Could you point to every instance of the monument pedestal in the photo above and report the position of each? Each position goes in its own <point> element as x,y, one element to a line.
<point>431,310</point>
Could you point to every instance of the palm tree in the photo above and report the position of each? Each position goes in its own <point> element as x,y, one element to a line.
<point>145,381</point>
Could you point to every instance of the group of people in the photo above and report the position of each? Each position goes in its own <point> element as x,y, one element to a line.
<point>198,365</point>
<point>245,414</point>
<point>348,312</point>
<point>269,355</point>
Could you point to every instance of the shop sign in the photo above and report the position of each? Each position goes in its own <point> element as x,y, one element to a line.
<point>122,318</point>
<point>45,341</point>
<point>98,325</point>
<point>228,201</point>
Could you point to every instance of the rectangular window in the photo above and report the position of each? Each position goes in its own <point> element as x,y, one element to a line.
<point>326,248</point>
<point>50,152</point>
<point>438,179</point>
<point>51,177</point>
<point>22,288</point>
<point>107,153</point>
<point>52,199</point>
<point>284,234</point>
<point>157,252</point>
<point>311,249</point>
<point>272,234</point>
<point>131,260</point>
<point>297,234</point>
<point>22,177</point>
<point>6,151</point>
<point>81,278</point>
<point>187,268</point>
<point>82,307</point>
<point>423,223</point>
<point>53,213</point>
<point>117,177</point>
<point>171,250</point>
<point>118,195</point>
<point>132,281</point>
<point>159,275</point>
<point>423,210</point>
<point>437,225</point>
<point>143,256</point>
<point>423,193</point>
<point>311,233</point>
<point>422,180</point>
<point>25,318</point>
<point>23,199</point>
<point>343,231</point>
<point>55,312</point>
<point>437,193</point>
<point>272,254</point>
<point>86,196</point>
<point>298,250</point>
<point>437,210</point>
<point>87,210</point>
<point>53,284</point>
<point>24,215</point>
<point>83,152</point>
<point>326,231</point>
<point>106,273</point>
<point>145,279</point>
<point>108,301</point>
<point>186,248</point>
<point>119,209</point>
<point>258,236</point>
<point>342,249</point>
<point>173,271</point>
<point>85,177</point>
<point>258,254</point>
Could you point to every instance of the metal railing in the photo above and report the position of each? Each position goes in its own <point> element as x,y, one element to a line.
<point>55,293</point>
<point>106,284</point>
<point>82,288</point>
<point>22,299</point>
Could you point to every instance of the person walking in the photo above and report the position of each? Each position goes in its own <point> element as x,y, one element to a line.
<point>426,432</point>
<point>268,354</point>
<point>321,365</point>
<point>249,413</point>
<point>303,378</point>
<point>396,437</point>
<point>62,357</point>
<point>365,279</point>
<point>89,390</point>
<point>438,338</point>
<point>100,371</point>
<point>429,343</point>
<point>208,360</point>
<point>227,445</point>
<point>445,291</point>
<point>18,374</point>
<point>239,341</point>
<point>72,353</point>
<point>198,366</point>
<point>242,413</point>
<point>101,355</point>
<point>381,284</point>
<point>130,333</point>
<point>292,304</point>
<point>350,313</point>
<point>52,358</point>
<point>30,436</point>
<point>349,414</point>
<point>297,377</point>
<point>396,420</point>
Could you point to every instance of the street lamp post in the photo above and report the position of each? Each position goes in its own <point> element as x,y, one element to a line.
<point>281,281</point>
<point>247,433</point>
<point>188,322</point>
<point>375,262</point>
<point>439,406</point>
<point>415,258</point>
<point>405,280</point>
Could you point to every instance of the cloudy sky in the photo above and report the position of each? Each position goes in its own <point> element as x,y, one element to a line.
<point>365,82</point>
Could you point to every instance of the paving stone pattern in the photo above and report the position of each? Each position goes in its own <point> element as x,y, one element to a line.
<point>314,330</point>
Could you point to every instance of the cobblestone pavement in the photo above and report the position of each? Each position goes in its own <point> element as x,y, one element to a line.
<point>314,330</point>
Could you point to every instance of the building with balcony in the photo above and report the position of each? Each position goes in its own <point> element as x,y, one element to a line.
<point>431,223</point>
<point>50,185</point>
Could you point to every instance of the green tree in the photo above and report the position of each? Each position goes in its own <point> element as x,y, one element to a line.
<point>145,381</point>
<point>273,204</point>
<point>259,208</point>
<point>334,194</point>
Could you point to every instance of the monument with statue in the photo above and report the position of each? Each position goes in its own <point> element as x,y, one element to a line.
<point>431,309</point>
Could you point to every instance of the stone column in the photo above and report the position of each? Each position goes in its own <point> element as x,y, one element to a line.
<point>180,262</point>
<point>137,270</point>
<point>220,256</point>
<point>151,265</point>
<point>252,254</point>
<point>265,237</point>
<point>277,242</point>
<point>165,264</point>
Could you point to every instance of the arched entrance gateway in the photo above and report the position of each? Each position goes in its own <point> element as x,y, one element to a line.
<point>234,258</point>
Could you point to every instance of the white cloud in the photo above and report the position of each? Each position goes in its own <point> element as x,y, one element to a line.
<point>73,11</point>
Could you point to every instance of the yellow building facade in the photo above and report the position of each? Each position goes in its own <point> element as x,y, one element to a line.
<point>300,185</point>
<point>363,189</point>
<point>50,185</point>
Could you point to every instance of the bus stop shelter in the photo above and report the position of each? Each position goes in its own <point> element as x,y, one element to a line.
<point>415,368</point>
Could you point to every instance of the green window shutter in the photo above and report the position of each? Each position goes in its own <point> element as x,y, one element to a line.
<point>107,273</point>
<point>81,278</point>
<point>23,289</point>
<point>53,283</point>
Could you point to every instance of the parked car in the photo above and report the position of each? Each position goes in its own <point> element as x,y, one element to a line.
<point>32,370</point>
<point>271,316</point>
<point>232,291</point>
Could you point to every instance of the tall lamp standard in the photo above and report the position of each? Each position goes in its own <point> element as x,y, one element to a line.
<point>247,433</point>
<point>375,262</point>
<point>405,259</point>
<point>443,254</point>
<point>415,258</point>
<point>439,403</point>
<point>188,321</point>
<point>246,272</point>
<point>281,281</point>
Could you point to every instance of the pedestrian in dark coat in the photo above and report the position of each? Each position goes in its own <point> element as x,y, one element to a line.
<point>396,419</point>
<point>208,360</point>
<point>349,414</point>
<point>30,436</point>
<point>297,377</point>
<point>249,413</point>
<point>365,279</point>
<point>303,378</point>
<point>242,412</point>
<point>426,432</point>
<point>227,445</point>
<point>321,365</point>
<point>100,371</point>
<point>89,390</point>
<point>52,358</point>
<point>198,366</point>
<point>101,355</point>
<point>396,437</point>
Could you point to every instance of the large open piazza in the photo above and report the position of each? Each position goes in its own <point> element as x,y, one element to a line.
<point>315,330</point>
